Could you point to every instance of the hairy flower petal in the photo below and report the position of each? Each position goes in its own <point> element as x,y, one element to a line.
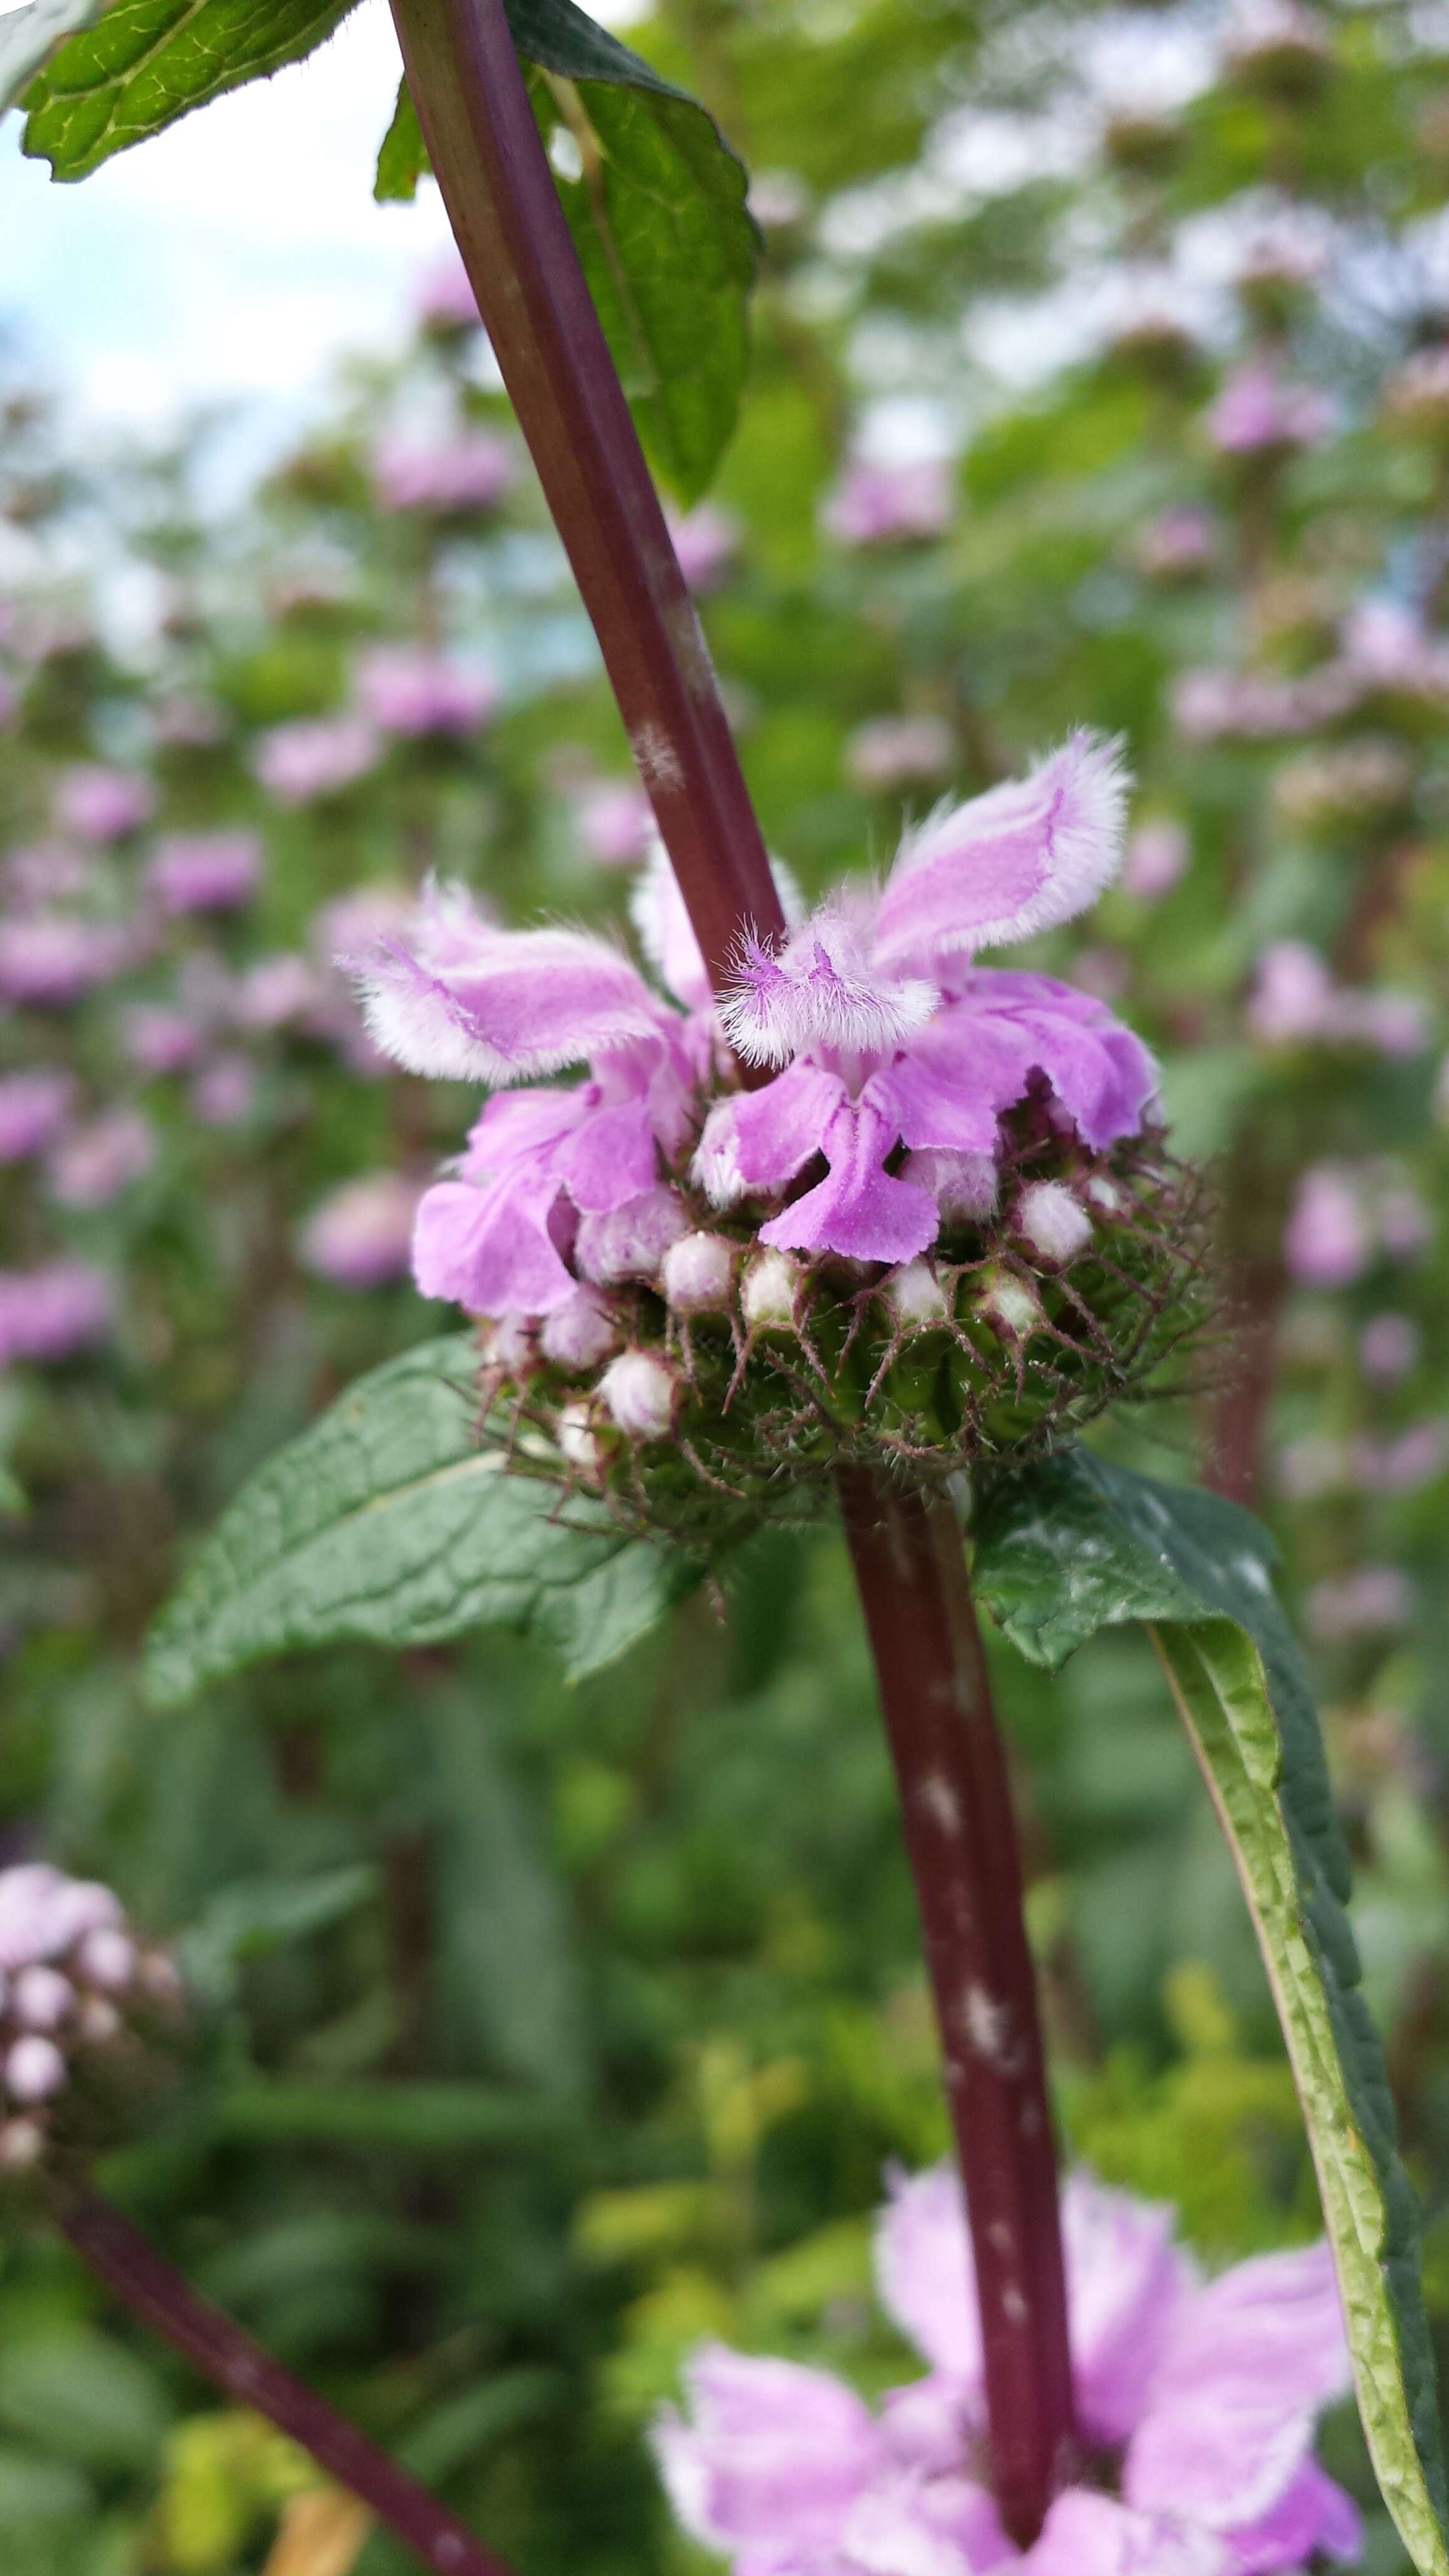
<point>859,1210</point>
<point>774,2452</point>
<point>1024,857</point>
<point>490,1250</point>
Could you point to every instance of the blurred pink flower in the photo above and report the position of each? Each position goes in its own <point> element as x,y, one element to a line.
<point>1259,411</point>
<point>298,763</point>
<point>43,873</point>
<point>188,723</point>
<point>1405,1462</point>
<point>444,298</point>
<point>52,959</point>
<point>1157,855</point>
<point>33,1110</point>
<point>104,804</point>
<point>1178,542</point>
<point>469,471</point>
<point>360,1234</point>
<point>1359,1604</point>
<point>278,992</point>
<point>615,822</point>
<point>93,1164</point>
<point>161,1040</point>
<point>51,1312</point>
<point>1329,1241</point>
<point>1387,646</point>
<point>1389,1347</point>
<point>224,1091</point>
<point>706,540</point>
<point>899,751</point>
<point>1198,2401</point>
<point>412,693</point>
<point>205,871</point>
<point>882,504</point>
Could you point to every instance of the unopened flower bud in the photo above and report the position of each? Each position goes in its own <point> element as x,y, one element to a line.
<point>99,2021</point>
<point>580,1334</point>
<point>34,2070</point>
<point>107,1958</point>
<point>22,2144</point>
<point>771,1288</point>
<point>699,1272</point>
<point>508,1344</point>
<point>41,1998</point>
<point>642,1394</point>
<point>1105,1195</point>
<point>1052,1221</point>
<point>915,1294</point>
<point>577,1440</point>
<point>1010,1305</point>
<point>631,1241</point>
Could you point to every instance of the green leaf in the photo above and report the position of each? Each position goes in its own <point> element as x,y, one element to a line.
<point>149,61</point>
<point>255,1915</point>
<point>77,2395</point>
<point>28,35</point>
<point>1074,1545</point>
<point>411,2117</point>
<point>659,220</point>
<point>402,158</point>
<point>386,1521</point>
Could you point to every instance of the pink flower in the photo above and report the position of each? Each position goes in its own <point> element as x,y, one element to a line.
<point>160,1040</point>
<point>884,1031</point>
<point>1403,1464</point>
<point>897,751</point>
<point>1361,1604</point>
<point>1389,1347</point>
<point>278,992</point>
<point>33,1109</point>
<point>224,1091</point>
<point>445,300</point>
<point>1387,647</point>
<point>615,823</point>
<point>205,871</point>
<point>1158,854</point>
<point>469,471</point>
<point>298,763</point>
<point>412,693</point>
<point>1260,412</point>
<point>47,872</point>
<point>49,1313</point>
<point>1179,542</point>
<point>706,541</point>
<point>1198,2399</point>
<point>876,505</point>
<point>52,959</point>
<point>1293,994</point>
<point>888,1033</point>
<point>104,804</point>
<point>1329,1242</point>
<point>93,1164</point>
<point>359,1235</point>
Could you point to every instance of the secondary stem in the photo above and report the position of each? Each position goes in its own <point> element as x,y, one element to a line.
<point>154,2290</point>
<point>491,166</point>
<point>961,1836</point>
<point>493,171</point>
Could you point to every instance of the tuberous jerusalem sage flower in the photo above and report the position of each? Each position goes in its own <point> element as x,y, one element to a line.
<point>414,694</point>
<point>205,871</point>
<point>943,1228</point>
<point>86,2009</point>
<point>1196,2404</point>
<point>104,804</point>
<point>359,1235</point>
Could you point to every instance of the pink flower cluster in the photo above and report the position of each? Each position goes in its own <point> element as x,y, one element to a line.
<point>1196,2400</point>
<point>470,471</point>
<point>1295,1001</point>
<point>1259,412</point>
<point>894,1057</point>
<point>1344,1215</point>
<point>874,505</point>
<point>51,1312</point>
<point>72,1977</point>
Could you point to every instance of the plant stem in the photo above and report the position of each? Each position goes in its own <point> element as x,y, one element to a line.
<point>499,191</point>
<point>490,163</point>
<point>962,1839</point>
<point>154,2290</point>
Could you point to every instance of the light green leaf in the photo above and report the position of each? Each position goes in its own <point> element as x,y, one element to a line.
<point>1075,1544</point>
<point>28,35</point>
<point>77,2395</point>
<point>656,206</point>
<point>387,1521</point>
<point>659,220</point>
<point>149,61</point>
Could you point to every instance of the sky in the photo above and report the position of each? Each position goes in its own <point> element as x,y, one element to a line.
<point>232,258</point>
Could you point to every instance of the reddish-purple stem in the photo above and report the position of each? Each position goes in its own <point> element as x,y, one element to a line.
<point>154,2290</point>
<point>961,1835</point>
<point>491,165</point>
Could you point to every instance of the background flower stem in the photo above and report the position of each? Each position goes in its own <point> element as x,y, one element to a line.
<point>491,166</point>
<point>154,2290</point>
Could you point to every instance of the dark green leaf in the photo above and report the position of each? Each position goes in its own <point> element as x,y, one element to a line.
<point>563,39</point>
<point>402,158</point>
<point>258,1914</point>
<point>1074,1545</point>
<point>147,62</point>
<point>386,1521</point>
<point>440,2117</point>
<point>659,220</point>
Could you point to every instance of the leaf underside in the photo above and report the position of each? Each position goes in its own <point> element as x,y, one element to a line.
<point>1076,1544</point>
<point>147,62</point>
<point>386,1522</point>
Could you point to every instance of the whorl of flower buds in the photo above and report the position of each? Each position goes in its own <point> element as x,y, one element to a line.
<point>86,2011</point>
